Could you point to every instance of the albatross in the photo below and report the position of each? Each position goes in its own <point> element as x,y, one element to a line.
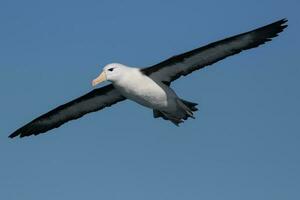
<point>150,86</point>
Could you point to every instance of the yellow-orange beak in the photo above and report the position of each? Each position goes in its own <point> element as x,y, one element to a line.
<point>99,79</point>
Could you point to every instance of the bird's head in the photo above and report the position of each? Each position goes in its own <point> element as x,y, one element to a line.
<point>111,72</point>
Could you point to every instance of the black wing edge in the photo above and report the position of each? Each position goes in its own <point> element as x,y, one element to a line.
<point>33,128</point>
<point>264,34</point>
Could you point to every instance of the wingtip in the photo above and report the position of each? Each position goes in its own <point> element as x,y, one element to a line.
<point>21,132</point>
<point>13,135</point>
<point>283,23</point>
<point>272,30</point>
<point>284,20</point>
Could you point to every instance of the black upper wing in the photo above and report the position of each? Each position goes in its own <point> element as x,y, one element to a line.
<point>181,65</point>
<point>91,102</point>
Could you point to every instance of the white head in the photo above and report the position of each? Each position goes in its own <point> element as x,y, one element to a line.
<point>111,72</point>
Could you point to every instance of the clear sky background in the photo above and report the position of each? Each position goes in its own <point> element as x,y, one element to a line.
<point>243,144</point>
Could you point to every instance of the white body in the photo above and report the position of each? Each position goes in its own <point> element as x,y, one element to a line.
<point>145,91</point>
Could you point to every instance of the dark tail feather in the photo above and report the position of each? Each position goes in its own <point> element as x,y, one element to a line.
<point>173,119</point>
<point>187,108</point>
<point>165,116</point>
<point>157,114</point>
<point>190,105</point>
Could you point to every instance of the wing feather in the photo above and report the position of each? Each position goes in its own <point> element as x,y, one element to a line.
<point>90,102</point>
<point>184,64</point>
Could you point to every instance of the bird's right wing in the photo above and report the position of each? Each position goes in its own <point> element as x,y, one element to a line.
<point>90,102</point>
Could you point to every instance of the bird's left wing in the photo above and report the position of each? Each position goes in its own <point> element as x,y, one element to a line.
<point>184,64</point>
<point>90,102</point>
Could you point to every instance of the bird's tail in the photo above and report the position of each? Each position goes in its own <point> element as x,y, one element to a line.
<point>186,110</point>
<point>190,105</point>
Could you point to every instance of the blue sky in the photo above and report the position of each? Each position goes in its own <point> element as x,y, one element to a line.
<point>244,143</point>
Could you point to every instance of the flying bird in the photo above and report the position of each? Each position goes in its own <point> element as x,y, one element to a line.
<point>150,86</point>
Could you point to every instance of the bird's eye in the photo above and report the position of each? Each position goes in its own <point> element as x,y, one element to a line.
<point>111,69</point>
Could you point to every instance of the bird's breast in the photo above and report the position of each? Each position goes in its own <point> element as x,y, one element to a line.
<point>143,90</point>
